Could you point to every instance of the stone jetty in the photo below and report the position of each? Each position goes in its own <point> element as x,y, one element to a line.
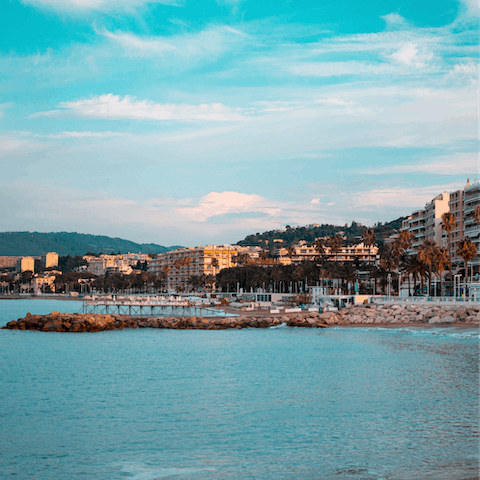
<point>358,315</point>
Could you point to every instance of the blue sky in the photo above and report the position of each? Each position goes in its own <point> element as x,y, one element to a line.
<point>183,122</point>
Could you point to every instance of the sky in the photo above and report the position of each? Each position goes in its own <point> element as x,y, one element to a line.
<point>194,122</point>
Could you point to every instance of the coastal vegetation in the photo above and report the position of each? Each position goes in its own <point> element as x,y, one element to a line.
<point>70,243</point>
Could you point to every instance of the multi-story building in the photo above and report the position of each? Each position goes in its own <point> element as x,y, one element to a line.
<point>349,253</point>
<point>182,264</point>
<point>107,263</point>
<point>415,224</point>
<point>426,224</point>
<point>451,242</point>
<point>471,200</point>
<point>433,217</point>
<point>50,259</point>
<point>25,263</point>
<point>41,284</point>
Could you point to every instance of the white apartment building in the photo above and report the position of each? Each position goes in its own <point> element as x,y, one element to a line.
<point>426,224</point>
<point>181,264</point>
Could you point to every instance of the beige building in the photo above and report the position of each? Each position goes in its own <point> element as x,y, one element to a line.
<point>350,253</point>
<point>107,263</point>
<point>24,264</point>
<point>39,284</point>
<point>179,265</point>
<point>50,259</point>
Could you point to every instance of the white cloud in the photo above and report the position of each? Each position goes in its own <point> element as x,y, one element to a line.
<point>82,6</point>
<point>315,201</point>
<point>114,107</point>
<point>84,135</point>
<point>221,203</point>
<point>202,46</point>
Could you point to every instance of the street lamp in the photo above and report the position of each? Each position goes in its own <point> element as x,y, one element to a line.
<point>455,285</point>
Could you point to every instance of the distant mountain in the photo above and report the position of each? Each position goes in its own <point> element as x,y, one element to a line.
<point>309,233</point>
<point>63,243</point>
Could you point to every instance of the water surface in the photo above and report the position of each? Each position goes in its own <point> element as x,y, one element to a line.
<point>284,403</point>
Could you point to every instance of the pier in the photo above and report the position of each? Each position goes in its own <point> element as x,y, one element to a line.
<point>149,307</point>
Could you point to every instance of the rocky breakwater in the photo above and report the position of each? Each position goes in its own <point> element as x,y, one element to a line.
<point>79,322</point>
<point>404,314</point>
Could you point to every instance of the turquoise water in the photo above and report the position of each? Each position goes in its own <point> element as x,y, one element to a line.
<point>283,403</point>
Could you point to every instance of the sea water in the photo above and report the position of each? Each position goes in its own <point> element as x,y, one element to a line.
<point>283,403</point>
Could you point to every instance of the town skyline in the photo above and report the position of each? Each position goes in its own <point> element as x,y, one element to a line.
<point>170,121</point>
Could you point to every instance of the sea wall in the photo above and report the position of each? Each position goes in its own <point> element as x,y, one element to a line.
<point>358,315</point>
<point>404,313</point>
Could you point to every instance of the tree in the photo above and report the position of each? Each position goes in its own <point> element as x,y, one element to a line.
<point>319,246</point>
<point>449,222</point>
<point>467,250</point>
<point>428,254</point>
<point>369,238</point>
<point>214,263</point>
<point>335,243</point>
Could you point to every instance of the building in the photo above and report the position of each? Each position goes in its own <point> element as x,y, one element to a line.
<point>349,253</point>
<point>433,217</point>
<point>426,224</point>
<point>179,265</point>
<point>451,242</point>
<point>25,263</point>
<point>50,259</point>
<point>43,284</point>
<point>471,226</point>
<point>8,262</point>
<point>106,263</point>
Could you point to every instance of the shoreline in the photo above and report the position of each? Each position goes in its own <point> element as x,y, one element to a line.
<point>362,316</point>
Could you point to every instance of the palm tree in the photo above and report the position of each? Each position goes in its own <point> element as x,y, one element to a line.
<point>319,246</point>
<point>214,263</point>
<point>449,222</point>
<point>335,243</point>
<point>441,261</point>
<point>467,250</point>
<point>369,238</point>
<point>427,254</point>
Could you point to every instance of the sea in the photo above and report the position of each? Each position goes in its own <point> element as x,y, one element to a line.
<point>281,403</point>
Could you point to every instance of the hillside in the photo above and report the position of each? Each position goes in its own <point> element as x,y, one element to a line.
<point>63,243</point>
<point>309,233</point>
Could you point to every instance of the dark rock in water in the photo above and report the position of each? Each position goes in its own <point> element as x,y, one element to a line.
<point>95,322</point>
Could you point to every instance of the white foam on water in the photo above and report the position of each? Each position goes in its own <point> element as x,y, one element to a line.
<point>147,472</point>
<point>282,325</point>
<point>452,332</point>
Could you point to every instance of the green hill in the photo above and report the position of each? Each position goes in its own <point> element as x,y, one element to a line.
<point>309,233</point>
<point>63,243</point>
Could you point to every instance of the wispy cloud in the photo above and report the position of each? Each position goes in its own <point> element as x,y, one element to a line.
<point>80,6</point>
<point>84,135</point>
<point>114,107</point>
<point>205,45</point>
<point>452,165</point>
